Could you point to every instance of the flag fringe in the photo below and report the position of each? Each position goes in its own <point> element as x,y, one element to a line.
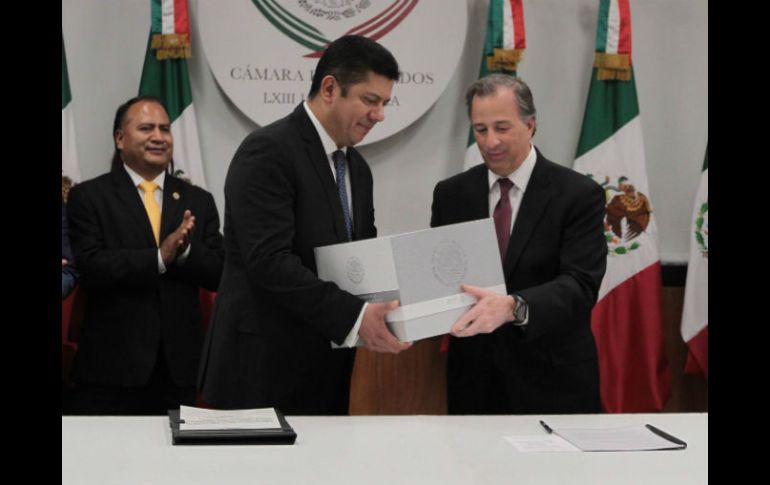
<point>612,66</point>
<point>504,59</point>
<point>66,185</point>
<point>171,46</point>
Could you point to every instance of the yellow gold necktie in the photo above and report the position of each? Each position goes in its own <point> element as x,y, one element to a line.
<point>152,208</point>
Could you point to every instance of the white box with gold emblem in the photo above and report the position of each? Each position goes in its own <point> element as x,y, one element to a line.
<point>423,269</point>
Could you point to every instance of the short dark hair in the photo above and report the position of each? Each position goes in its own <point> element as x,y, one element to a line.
<point>350,59</point>
<point>120,119</point>
<point>490,83</point>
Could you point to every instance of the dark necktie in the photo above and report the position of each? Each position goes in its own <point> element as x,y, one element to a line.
<point>340,166</point>
<point>502,216</point>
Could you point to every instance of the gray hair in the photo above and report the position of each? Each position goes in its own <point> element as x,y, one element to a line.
<point>489,84</point>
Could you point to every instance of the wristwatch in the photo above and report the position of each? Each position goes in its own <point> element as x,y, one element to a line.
<point>520,312</point>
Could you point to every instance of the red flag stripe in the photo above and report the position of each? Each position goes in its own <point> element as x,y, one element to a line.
<point>181,18</point>
<point>698,355</point>
<point>624,41</point>
<point>633,369</point>
<point>517,10</point>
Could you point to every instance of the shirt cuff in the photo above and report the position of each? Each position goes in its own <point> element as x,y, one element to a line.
<point>352,339</point>
<point>180,260</point>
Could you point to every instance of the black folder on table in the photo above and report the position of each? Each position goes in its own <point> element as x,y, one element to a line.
<point>284,435</point>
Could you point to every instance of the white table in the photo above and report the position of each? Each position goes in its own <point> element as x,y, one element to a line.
<point>389,450</point>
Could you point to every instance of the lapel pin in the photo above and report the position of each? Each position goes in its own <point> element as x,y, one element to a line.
<point>175,195</point>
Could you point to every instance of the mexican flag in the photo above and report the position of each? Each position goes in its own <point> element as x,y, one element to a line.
<point>503,50</point>
<point>627,320</point>
<point>165,76</point>
<point>695,316</point>
<point>69,158</point>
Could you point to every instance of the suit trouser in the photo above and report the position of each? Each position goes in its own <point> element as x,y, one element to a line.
<point>156,397</point>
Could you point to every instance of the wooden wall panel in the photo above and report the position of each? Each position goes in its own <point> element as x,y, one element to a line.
<point>412,382</point>
<point>689,393</point>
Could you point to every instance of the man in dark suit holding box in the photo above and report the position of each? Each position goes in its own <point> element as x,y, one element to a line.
<point>294,185</point>
<point>530,351</point>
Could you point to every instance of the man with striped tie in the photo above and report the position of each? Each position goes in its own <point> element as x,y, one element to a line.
<point>294,185</point>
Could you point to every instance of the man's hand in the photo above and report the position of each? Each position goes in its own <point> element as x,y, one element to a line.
<point>375,333</point>
<point>176,243</point>
<point>64,262</point>
<point>490,311</point>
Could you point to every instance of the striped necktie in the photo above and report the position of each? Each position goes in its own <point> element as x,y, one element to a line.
<point>340,166</point>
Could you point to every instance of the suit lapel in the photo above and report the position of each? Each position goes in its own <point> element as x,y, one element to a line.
<point>532,209</point>
<point>128,197</point>
<point>315,153</point>
<point>174,194</point>
<point>476,201</point>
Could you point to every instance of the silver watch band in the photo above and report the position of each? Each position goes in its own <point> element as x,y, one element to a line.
<point>521,311</point>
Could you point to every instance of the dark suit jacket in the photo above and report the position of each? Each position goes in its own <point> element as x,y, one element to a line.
<point>556,260</point>
<point>68,273</point>
<point>131,309</point>
<point>269,341</point>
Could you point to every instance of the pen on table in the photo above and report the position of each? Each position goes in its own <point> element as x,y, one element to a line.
<point>546,427</point>
<point>665,435</point>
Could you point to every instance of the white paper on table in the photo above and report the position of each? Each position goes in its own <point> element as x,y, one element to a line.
<point>192,418</point>
<point>540,444</point>
<point>626,438</point>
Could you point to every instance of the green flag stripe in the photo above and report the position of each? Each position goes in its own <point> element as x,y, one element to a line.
<point>167,80</point>
<point>706,160</point>
<point>494,27</point>
<point>483,71</point>
<point>601,32</point>
<point>610,105</point>
<point>156,16</point>
<point>66,95</point>
<point>471,138</point>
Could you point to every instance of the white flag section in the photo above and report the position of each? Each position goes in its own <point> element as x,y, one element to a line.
<point>695,313</point>
<point>69,156</point>
<point>622,156</point>
<point>472,156</point>
<point>187,154</point>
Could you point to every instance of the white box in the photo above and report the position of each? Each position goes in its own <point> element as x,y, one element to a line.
<point>422,269</point>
